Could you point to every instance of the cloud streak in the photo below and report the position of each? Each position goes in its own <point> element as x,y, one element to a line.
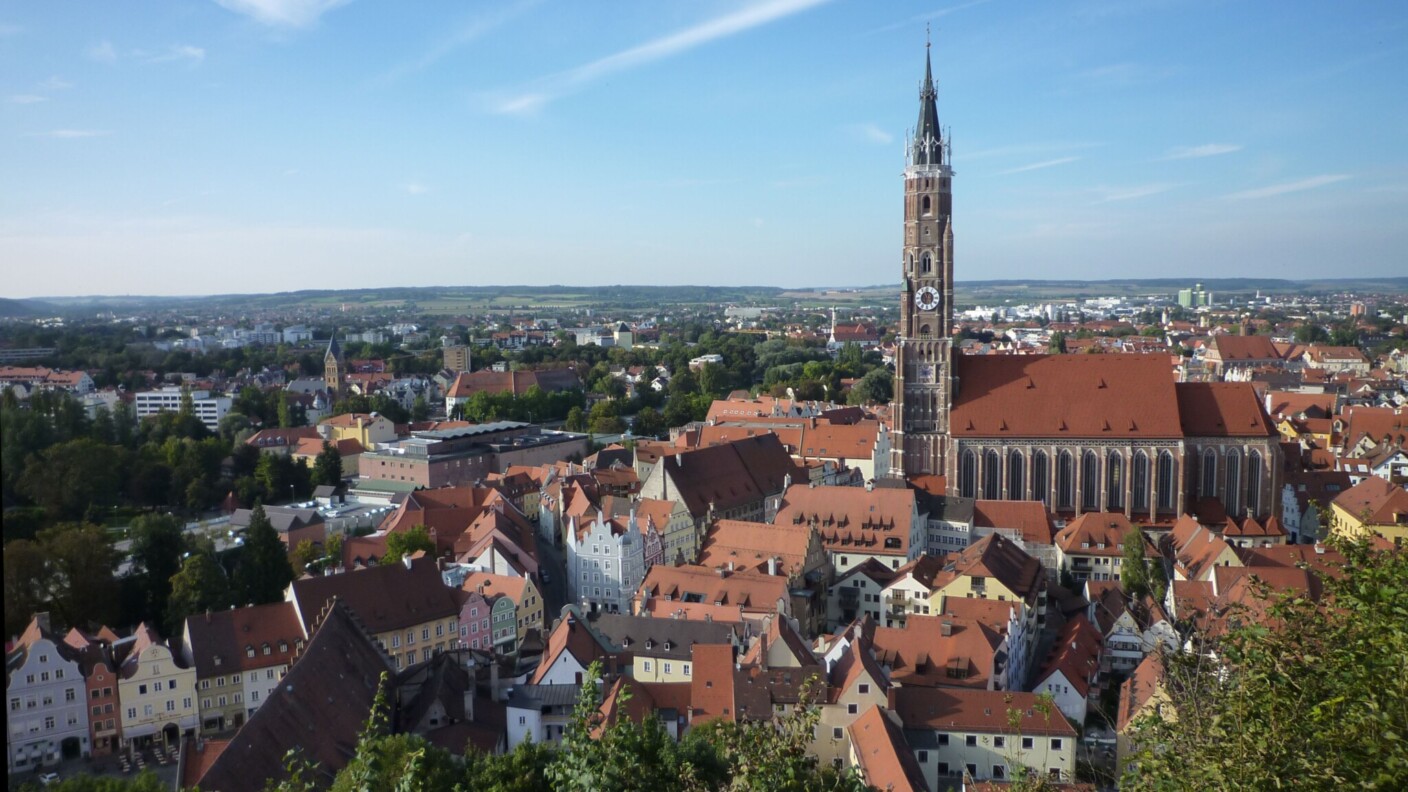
<point>1287,187</point>
<point>28,99</point>
<point>282,13</point>
<point>1198,152</point>
<point>467,33</point>
<point>73,134</point>
<point>1113,194</point>
<point>532,100</point>
<point>1038,165</point>
<point>103,52</point>
<point>182,52</point>
<point>872,133</point>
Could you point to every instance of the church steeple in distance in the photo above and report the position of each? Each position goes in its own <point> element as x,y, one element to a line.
<point>927,148</point>
<point>923,361</point>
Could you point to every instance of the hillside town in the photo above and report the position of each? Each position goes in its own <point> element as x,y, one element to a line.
<point>970,540</point>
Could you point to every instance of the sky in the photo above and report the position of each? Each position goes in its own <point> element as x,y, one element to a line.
<point>248,146</point>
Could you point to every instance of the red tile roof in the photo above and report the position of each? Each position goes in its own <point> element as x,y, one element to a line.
<point>1376,501</point>
<point>853,519</point>
<point>1075,653</point>
<point>1114,396</point>
<point>750,545</point>
<point>1222,409</point>
<point>952,709</point>
<point>1029,518</point>
<point>886,761</point>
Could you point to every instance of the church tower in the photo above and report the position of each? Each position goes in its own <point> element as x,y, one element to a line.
<point>333,367</point>
<point>923,362</point>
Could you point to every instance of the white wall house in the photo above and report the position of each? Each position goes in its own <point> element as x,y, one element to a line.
<point>209,409</point>
<point>47,715</point>
<point>606,561</point>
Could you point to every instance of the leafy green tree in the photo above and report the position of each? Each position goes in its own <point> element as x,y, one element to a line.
<point>327,467</point>
<point>1134,568</point>
<point>1057,345</point>
<point>73,479</point>
<point>304,556</point>
<point>332,549</point>
<point>263,571</point>
<point>576,421</point>
<point>606,418</point>
<point>147,781</point>
<point>404,543</point>
<point>201,585</point>
<point>650,423</point>
<point>157,544</point>
<point>81,588</point>
<point>1291,694</point>
<point>26,581</point>
<point>876,387</point>
<point>420,409</point>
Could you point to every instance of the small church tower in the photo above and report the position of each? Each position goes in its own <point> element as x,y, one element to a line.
<point>333,367</point>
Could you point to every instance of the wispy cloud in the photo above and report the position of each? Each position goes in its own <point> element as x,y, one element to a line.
<point>1025,150</point>
<point>927,17</point>
<point>181,52</point>
<point>1051,163</point>
<point>55,83</point>
<point>414,188</point>
<point>283,13</point>
<point>1196,152</point>
<point>1112,194</point>
<point>533,99</point>
<point>73,134</point>
<point>467,33</point>
<point>872,133</point>
<point>102,52</point>
<point>28,99</point>
<point>1288,187</point>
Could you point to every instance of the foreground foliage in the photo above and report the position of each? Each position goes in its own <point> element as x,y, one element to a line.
<point>1302,696</point>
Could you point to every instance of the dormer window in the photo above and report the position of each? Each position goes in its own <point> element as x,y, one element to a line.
<point>249,651</point>
<point>283,647</point>
<point>267,650</point>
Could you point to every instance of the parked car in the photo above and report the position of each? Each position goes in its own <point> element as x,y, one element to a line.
<point>49,778</point>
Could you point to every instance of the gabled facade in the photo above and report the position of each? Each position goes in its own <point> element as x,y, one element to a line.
<point>47,715</point>
<point>157,692</point>
<point>239,656</point>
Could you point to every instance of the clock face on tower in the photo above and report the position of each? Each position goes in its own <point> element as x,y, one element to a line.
<point>927,298</point>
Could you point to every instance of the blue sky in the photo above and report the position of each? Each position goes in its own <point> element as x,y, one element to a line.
<point>212,146</point>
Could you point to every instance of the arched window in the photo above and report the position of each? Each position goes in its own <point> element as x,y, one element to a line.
<point>926,264</point>
<point>968,474</point>
<point>1233,500</point>
<point>1254,482</point>
<point>1065,481</point>
<point>926,206</point>
<point>1114,481</point>
<point>1090,482</point>
<point>1209,475</point>
<point>1016,476</point>
<point>911,263</point>
<point>1139,480</point>
<point>992,475</point>
<point>1166,487</point>
<point>1041,477</point>
<point>924,330</point>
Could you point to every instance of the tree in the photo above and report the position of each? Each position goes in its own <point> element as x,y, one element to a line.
<point>332,549</point>
<point>201,585</point>
<point>650,423</point>
<point>305,555</point>
<point>1134,569</point>
<point>73,479</point>
<point>1292,694</point>
<point>263,571</point>
<point>575,422</point>
<point>327,467</point>
<point>158,541</point>
<point>876,387</point>
<point>1057,345</point>
<point>81,588</point>
<point>404,543</point>
<point>26,581</point>
<point>420,409</point>
<point>606,418</point>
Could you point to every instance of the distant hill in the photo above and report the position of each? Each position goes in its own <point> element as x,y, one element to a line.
<point>25,309</point>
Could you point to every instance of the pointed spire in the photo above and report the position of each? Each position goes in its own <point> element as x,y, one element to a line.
<point>927,148</point>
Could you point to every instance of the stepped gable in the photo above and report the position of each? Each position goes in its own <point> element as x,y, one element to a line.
<point>1222,409</point>
<point>320,706</point>
<point>1097,396</point>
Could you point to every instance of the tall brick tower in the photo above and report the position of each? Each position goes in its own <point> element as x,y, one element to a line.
<point>923,363</point>
<point>333,367</point>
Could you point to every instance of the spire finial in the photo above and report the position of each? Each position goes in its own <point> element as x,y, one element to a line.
<point>926,35</point>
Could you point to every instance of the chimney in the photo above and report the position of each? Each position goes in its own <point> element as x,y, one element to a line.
<point>946,629</point>
<point>679,460</point>
<point>772,566</point>
<point>406,560</point>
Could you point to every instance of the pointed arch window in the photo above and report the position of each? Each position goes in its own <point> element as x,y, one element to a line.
<point>1233,501</point>
<point>1139,481</point>
<point>1209,475</point>
<point>1254,482</point>
<point>1016,476</point>
<point>1165,473</point>
<point>1090,482</point>
<point>926,264</point>
<point>1041,477</point>
<point>968,473</point>
<point>1114,481</point>
<point>926,206</point>
<point>1065,480</point>
<point>992,475</point>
